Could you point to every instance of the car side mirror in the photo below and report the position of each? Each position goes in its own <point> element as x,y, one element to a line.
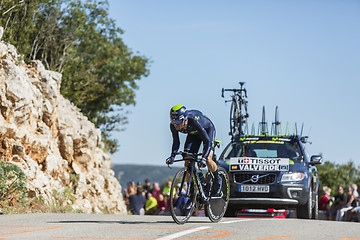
<point>316,159</point>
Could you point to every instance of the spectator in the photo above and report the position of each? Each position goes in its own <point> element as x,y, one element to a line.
<point>340,200</point>
<point>166,190</point>
<point>351,213</point>
<point>156,191</point>
<point>137,202</point>
<point>147,186</point>
<point>356,209</point>
<point>162,205</point>
<point>151,205</point>
<point>130,190</point>
<point>133,184</point>
<point>323,202</point>
<point>356,194</point>
<point>350,203</point>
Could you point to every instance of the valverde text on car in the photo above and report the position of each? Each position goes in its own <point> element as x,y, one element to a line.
<point>271,172</point>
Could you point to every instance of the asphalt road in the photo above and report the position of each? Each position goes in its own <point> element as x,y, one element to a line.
<point>98,226</point>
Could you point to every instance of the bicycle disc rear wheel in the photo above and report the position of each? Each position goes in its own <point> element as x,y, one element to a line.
<point>216,207</point>
<point>178,198</point>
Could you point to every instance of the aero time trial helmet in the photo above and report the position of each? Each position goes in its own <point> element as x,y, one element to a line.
<point>178,114</point>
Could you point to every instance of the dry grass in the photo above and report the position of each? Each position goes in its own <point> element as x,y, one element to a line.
<point>62,203</point>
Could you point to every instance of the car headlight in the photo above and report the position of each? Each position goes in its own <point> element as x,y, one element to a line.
<point>292,177</point>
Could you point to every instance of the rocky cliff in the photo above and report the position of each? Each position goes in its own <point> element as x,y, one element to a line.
<point>50,139</point>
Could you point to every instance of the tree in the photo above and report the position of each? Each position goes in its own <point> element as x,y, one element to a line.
<point>80,40</point>
<point>335,175</point>
<point>107,80</point>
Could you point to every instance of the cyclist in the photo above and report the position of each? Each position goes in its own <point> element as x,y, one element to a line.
<point>199,129</point>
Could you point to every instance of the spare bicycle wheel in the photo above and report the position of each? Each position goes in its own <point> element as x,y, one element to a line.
<point>234,119</point>
<point>180,199</point>
<point>217,206</point>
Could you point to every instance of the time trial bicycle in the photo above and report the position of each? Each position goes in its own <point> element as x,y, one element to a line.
<point>189,184</point>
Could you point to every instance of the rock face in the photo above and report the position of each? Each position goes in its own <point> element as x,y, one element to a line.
<point>50,139</point>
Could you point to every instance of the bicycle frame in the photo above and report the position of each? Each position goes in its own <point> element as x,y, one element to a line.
<point>192,170</point>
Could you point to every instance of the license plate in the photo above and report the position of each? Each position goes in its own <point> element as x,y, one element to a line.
<point>254,188</point>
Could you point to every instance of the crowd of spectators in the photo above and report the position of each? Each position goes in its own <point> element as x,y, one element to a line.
<point>344,206</point>
<point>151,199</point>
<point>147,198</point>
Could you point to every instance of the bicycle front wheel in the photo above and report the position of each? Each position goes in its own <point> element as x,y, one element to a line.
<point>182,198</point>
<point>217,206</point>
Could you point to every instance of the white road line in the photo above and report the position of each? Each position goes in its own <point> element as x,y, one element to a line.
<point>180,234</point>
<point>235,221</point>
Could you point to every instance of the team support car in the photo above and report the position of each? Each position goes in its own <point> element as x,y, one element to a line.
<point>271,172</point>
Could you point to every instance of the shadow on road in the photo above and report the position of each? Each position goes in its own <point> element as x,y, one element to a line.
<point>120,222</point>
<point>102,222</point>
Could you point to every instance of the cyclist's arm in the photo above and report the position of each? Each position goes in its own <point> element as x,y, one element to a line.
<point>176,140</point>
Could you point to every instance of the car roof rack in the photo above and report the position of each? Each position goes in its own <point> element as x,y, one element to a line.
<point>276,130</point>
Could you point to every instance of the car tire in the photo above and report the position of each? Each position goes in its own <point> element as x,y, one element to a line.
<point>315,211</point>
<point>230,212</point>
<point>305,211</point>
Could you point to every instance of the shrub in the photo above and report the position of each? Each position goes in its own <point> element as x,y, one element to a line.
<point>12,182</point>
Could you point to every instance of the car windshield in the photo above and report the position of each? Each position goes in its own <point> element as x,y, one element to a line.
<point>264,149</point>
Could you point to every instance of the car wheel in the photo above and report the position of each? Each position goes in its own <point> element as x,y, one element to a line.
<point>315,211</point>
<point>305,211</point>
<point>230,212</point>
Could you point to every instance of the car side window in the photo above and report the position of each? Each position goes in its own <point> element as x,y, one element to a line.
<point>295,152</point>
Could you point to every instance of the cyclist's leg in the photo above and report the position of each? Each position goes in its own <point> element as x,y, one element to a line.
<point>210,162</point>
<point>192,145</point>
<point>212,165</point>
<point>214,170</point>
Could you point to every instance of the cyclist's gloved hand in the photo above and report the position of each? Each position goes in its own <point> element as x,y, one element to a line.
<point>202,163</point>
<point>170,160</point>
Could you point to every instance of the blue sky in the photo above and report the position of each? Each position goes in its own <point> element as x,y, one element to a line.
<point>302,56</point>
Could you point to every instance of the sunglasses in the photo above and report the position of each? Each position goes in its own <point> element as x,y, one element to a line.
<point>178,121</point>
